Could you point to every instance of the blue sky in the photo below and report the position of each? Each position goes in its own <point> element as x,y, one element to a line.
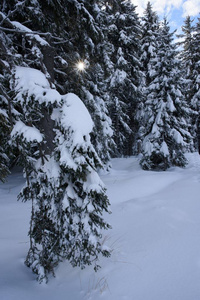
<point>175,10</point>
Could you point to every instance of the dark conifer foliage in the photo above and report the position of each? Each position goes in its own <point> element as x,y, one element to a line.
<point>8,59</point>
<point>166,110</point>
<point>4,111</point>
<point>195,94</point>
<point>86,47</point>
<point>188,58</point>
<point>149,47</point>
<point>123,51</point>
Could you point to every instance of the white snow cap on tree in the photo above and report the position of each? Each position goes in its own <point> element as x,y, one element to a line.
<point>29,133</point>
<point>33,82</point>
<point>28,77</point>
<point>76,116</point>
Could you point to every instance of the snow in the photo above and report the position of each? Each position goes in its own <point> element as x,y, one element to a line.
<point>155,240</point>
<point>94,182</point>
<point>34,82</point>
<point>2,112</point>
<point>164,149</point>
<point>148,146</point>
<point>76,116</point>
<point>50,168</point>
<point>29,77</point>
<point>118,77</point>
<point>177,136</point>
<point>29,133</point>
<point>29,32</point>
<point>170,104</point>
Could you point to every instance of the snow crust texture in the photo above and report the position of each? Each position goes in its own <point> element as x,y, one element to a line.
<point>155,240</point>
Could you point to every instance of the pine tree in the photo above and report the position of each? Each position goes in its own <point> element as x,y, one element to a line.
<point>187,57</point>
<point>85,199</point>
<point>8,59</point>
<point>4,135</point>
<point>149,41</point>
<point>88,84</point>
<point>122,55</point>
<point>4,117</point>
<point>166,110</point>
<point>149,46</point>
<point>195,95</point>
<point>68,197</point>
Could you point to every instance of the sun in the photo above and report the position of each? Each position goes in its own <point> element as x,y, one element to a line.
<point>81,66</point>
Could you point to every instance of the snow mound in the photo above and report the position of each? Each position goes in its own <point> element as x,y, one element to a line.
<point>33,82</point>
<point>76,116</point>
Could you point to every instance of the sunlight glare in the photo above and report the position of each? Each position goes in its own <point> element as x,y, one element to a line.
<point>80,66</point>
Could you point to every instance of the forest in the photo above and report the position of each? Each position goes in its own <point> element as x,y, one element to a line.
<point>82,82</point>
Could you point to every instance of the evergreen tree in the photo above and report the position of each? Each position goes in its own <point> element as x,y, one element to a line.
<point>149,46</point>
<point>188,59</point>
<point>68,197</point>
<point>149,41</point>
<point>4,117</point>
<point>60,163</point>
<point>166,110</point>
<point>4,134</point>
<point>86,48</point>
<point>122,55</point>
<point>195,95</point>
<point>196,68</point>
<point>8,59</point>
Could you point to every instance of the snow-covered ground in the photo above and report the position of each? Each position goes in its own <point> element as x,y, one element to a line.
<point>155,240</point>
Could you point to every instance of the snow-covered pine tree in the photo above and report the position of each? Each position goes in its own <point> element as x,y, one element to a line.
<point>195,94</point>
<point>123,48</point>
<point>31,137</point>
<point>149,41</point>
<point>26,47</point>
<point>196,80</point>
<point>68,197</point>
<point>149,46</point>
<point>85,199</point>
<point>8,58</point>
<point>34,136</point>
<point>196,67</point>
<point>4,137</point>
<point>187,56</point>
<point>87,42</point>
<point>166,110</point>
<point>4,111</point>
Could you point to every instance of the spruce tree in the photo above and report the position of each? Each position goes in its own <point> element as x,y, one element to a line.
<point>195,95</point>
<point>122,61</point>
<point>4,137</point>
<point>149,41</point>
<point>8,58</point>
<point>188,59</point>
<point>166,137</point>
<point>4,111</point>
<point>149,46</point>
<point>86,43</point>
<point>68,197</point>
<point>59,160</point>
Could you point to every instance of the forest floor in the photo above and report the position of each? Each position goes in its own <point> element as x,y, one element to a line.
<point>155,240</point>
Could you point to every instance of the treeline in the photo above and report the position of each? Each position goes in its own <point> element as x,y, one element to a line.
<point>141,91</point>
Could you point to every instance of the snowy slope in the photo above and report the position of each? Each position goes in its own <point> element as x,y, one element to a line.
<point>155,240</point>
